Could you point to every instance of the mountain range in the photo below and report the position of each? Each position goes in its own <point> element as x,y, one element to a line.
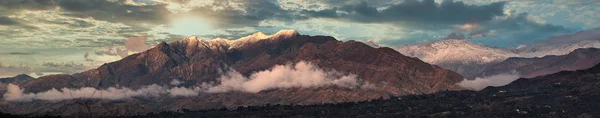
<point>288,68</point>
<point>283,68</point>
<point>562,94</point>
<point>531,67</point>
<point>470,59</point>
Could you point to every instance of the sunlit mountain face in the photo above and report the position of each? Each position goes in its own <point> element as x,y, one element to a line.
<point>211,54</point>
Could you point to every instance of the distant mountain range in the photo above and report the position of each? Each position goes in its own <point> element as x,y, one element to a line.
<point>470,59</point>
<point>458,55</point>
<point>364,73</point>
<point>531,67</point>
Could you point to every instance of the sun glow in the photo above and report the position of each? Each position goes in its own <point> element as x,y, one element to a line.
<point>468,27</point>
<point>190,26</point>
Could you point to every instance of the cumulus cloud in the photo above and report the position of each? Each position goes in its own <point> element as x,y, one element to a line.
<point>494,80</point>
<point>175,82</point>
<point>185,92</point>
<point>300,75</point>
<point>15,93</point>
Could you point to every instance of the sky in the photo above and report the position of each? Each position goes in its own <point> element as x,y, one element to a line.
<point>41,37</point>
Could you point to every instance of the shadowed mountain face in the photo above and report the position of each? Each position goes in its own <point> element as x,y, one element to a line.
<point>532,67</point>
<point>563,94</point>
<point>197,61</point>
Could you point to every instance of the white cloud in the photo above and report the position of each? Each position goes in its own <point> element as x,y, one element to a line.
<point>175,82</point>
<point>15,93</point>
<point>494,80</point>
<point>186,92</point>
<point>300,75</point>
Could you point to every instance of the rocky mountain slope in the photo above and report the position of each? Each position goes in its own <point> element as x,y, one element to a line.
<point>561,45</point>
<point>531,67</point>
<point>196,62</point>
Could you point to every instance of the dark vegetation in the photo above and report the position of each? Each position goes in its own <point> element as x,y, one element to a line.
<point>557,100</point>
<point>492,103</point>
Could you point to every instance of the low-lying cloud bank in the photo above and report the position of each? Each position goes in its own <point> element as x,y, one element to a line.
<point>15,93</point>
<point>299,75</point>
<point>494,80</point>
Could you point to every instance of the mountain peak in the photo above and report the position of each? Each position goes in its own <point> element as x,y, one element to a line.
<point>286,33</point>
<point>162,45</point>
<point>258,35</point>
<point>372,43</point>
<point>453,35</point>
<point>450,52</point>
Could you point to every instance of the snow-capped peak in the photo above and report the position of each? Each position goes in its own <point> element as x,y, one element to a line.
<point>454,51</point>
<point>255,36</point>
<point>227,43</point>
<point>285,34</point>
<point>455,36</point>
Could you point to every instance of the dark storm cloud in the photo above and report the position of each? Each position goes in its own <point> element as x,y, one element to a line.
<point>8,21</point>
<point>251,14</point>
<point>27,4</point>
<point>115,11</point>
<point>521,22</point>
<point>518,29</point>
<point>415,12</point>
<point>98,9</point>
<point>248,13</point>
